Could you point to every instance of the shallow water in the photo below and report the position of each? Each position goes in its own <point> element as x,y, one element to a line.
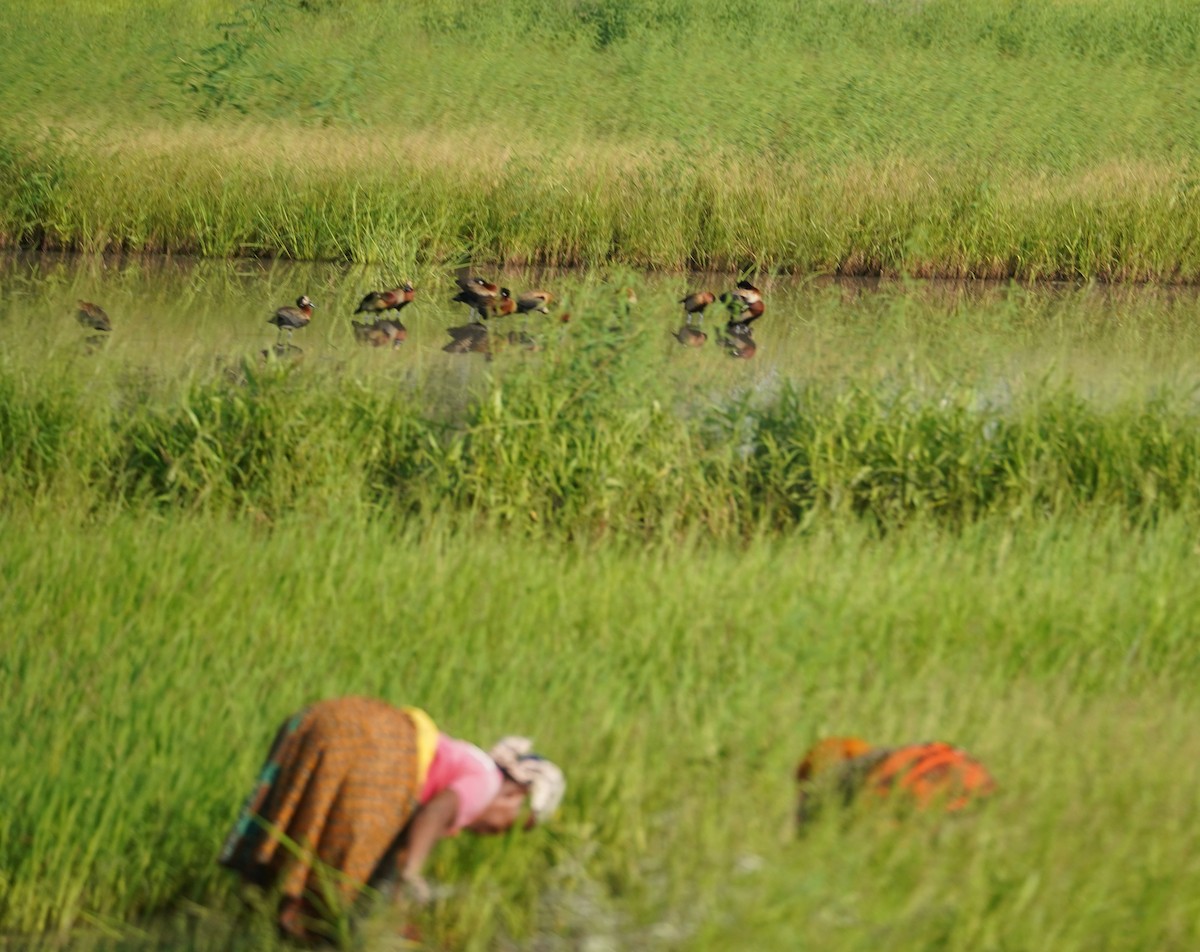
<point>178,314</point>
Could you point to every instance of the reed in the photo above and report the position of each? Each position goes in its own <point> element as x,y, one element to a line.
<point>930,139</point>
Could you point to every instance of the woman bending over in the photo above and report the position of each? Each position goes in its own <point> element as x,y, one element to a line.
<point>355,791</point>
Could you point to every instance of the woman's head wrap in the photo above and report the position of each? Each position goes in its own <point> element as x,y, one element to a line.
<point>830,752</point>
<point>822,766</point>
<point>546,783</point>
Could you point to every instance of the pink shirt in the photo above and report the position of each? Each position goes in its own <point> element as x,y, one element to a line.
<point>466,770</point>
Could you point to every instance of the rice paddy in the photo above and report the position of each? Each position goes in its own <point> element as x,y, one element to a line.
<point>923,510</point>
<point>962,509</point>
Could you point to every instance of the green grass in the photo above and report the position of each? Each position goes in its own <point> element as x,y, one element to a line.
<point>901,409</point>
<point>585,440</point>
<point>149,660</point>
<point>926,511</point>
<point>1046,139</point>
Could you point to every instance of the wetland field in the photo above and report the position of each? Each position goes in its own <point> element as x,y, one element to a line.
<point>955,493</point>
<point>922,510</point>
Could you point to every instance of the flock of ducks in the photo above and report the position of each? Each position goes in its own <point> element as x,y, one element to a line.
<point>485,299</point>
<point>743,305</point>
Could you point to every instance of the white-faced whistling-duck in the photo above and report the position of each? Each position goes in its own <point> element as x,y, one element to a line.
<point>529,302</point>
<point>394,300</point>
<point>93,316</point>
<point>468,339</point>
<point>690,336</point>
<point>743,296</point>
<point>696,303</point>
<point>539,301</point>
<point>380,333</point>
<point>745,307</point>
<point>290,318</point>
<point>747,292</point>
<point>475,293</point>
<point>500,306</point>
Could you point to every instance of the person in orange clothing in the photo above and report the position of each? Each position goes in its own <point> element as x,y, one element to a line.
<point>925,776</point>
<point>357,792</point>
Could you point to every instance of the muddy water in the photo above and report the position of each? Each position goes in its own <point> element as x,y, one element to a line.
<point>179,314</point>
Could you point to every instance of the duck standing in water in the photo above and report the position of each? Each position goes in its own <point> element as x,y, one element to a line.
<point>689,334</point>
<point>93,316</point>
<point>501,305</point>
<point>694,305</point>
<point>476,293</point>
<point>290,318</point>
<point>376,302</point>
<point>745,306</point>
<point>531,301</point>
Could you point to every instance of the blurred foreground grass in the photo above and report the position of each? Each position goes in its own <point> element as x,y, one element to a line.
<point>148,660</point>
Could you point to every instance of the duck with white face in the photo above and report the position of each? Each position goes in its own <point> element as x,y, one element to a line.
<point>398,298</point>
<point>476,293</point>
<point>292,318</point>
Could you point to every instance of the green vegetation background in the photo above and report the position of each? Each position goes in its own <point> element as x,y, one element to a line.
<point>671,573</point>
<point>674,573</point>
<point>1051,138</point>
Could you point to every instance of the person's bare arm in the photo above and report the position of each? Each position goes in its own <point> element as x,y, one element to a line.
<point>432,822</point>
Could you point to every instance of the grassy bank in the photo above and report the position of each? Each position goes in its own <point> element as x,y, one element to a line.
<point>605,432</point>
<point>148,661</point>
<point>977,139</point>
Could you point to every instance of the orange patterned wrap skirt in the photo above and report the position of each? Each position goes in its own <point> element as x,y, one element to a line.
<point>338,788</point>
<point>929,775</point>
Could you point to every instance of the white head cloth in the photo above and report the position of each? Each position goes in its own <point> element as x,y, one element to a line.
<point>546,783</point>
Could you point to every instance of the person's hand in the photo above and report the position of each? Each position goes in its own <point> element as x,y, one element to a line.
<point>416,888</point>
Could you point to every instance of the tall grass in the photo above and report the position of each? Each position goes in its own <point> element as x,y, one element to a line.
<point>215,192</point>
<point>901,520</point>
<point>148,661</point>
<point>604,432</point>
<point>978,139</point>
